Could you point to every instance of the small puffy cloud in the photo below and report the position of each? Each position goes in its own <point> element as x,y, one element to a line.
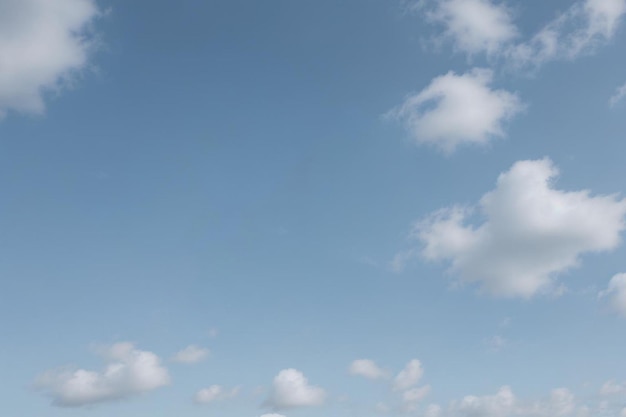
<point>530,232</point>
<point>619,95</point>
<point>191,354</point>
<point>502,404</point>
<point>612,388</point>
<point>291,389</point>
<point>579,30</point>
<point>475,26</point>
<point>129,372</point>
<point>367,369</point>
<point>409,376</point>
<point>616,292</point>
<point>458,109</point>
<point>214,393</point>
<point>42,44</point>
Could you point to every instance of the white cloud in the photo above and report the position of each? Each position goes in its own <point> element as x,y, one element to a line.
<point>433,410</point>
<point>412,396</point>
<point>367,368</point>
<point>409,376</point>
<point>42,44</point>
<point>215,393</point>
<point>475,26</point>
<point>292,389</point>
<point>458,109</point>
<point>623,413</point>
<point>616,291</point>
<point>272,415</point>
<point>502,404</point>
<point>619,95</point>
<point>129,372</point>
<point>579,30</point>
<point>612,388</point>
<point>191,354</point>
<point>531,232</point>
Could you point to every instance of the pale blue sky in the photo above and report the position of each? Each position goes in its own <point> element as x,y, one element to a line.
<point>237,175</point>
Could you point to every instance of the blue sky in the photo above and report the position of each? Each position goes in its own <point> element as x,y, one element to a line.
<point>345,208</point>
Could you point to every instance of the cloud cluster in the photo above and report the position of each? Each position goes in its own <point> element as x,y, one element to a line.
<point>291,389</point>
<point>458,109</point>
<point>128,372</point>
<point>403,384</point>
<point>486,26</point>
<point>42,44</point>
<point>504,403</point>
<point>530,232</point>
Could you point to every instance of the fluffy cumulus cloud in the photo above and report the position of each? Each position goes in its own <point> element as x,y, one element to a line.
<point>291,389</point>
<point>529,232</point>
<point>191,354</point>
<point>458,109</point>
<point>42,44</point>
<point>619,95</point>
<point>616,292</point>
<point>409,376</point>
<point>215,393</point>
<point>474,26</point>
<point>129,372</point>
<point>367,368</point>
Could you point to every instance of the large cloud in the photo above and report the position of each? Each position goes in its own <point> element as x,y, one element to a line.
<point>458,109</point>
<point>530,231</point>
<point>129,372</point>
<point>291,389</point>
<point>42,43</point>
